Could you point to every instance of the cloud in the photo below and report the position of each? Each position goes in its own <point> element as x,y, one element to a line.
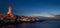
<point>41,14</point>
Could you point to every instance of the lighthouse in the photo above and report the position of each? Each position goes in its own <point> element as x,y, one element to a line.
<point>10,14</point>
<point>9,10</point>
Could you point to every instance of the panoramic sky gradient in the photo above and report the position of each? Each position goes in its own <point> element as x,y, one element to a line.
<point>31,7</point>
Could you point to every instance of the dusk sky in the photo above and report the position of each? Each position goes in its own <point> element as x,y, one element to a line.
<point>31,7</point>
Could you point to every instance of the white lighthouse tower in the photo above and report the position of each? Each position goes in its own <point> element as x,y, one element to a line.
<point>9,10</point>
<point>10,14</point>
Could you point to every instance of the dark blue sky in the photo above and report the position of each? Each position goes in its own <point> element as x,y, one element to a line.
<point>32,7</point>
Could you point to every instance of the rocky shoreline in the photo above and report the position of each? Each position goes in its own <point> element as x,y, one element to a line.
<point>5,18</point>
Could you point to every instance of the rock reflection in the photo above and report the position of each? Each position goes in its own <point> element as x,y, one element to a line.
<point>23,25</point>
<point>9,26</point>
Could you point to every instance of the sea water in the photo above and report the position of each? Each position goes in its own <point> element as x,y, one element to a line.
<point>44,24</point>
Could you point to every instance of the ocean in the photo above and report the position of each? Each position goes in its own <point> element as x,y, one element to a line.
<point>51,23</point>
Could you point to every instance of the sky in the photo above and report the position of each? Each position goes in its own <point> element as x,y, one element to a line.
<point>31,7</point>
